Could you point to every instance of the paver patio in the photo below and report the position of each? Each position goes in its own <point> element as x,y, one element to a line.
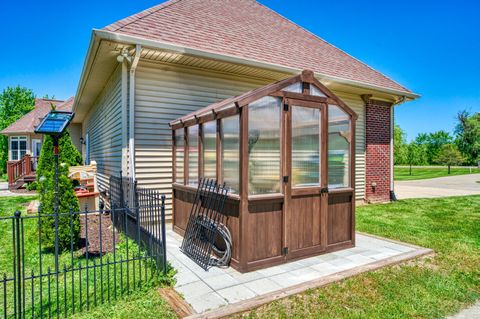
<point>209,290</point>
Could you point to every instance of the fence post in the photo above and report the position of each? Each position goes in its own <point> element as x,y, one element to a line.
<point>18,268</point>
<point>164,244</point>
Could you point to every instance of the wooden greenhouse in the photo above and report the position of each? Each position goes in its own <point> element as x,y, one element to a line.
<point>286,152</point>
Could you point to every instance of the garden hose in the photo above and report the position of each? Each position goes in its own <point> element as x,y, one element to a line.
<point>221,257</point>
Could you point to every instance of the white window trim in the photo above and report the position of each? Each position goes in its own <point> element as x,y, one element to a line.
<point>17,138</point>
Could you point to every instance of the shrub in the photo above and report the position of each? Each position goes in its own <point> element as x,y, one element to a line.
<point>32,186</point>
<point>68,226</point>
<point>68,155</point>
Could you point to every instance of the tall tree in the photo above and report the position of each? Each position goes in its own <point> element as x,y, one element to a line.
<point>433,142</point>
<point>449,155</point>
<point>15,102</point>
<point>399,145</point>
<point>468,136</point>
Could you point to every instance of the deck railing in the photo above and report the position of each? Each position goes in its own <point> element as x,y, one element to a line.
<point>18,169</point>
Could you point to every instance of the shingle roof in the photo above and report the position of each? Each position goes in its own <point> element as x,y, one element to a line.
<point>27,123</point>
<point>247,29</point>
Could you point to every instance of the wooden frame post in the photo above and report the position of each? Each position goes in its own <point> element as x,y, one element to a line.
<point>219,154</point>
<point>244,213</point>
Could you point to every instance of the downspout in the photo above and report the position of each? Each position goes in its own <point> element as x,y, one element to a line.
<point>124,75</point>
<point>131,112</point>
<point>393,197</point>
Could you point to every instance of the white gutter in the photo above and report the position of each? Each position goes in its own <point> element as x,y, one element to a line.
<point>392,162</point>
<point>131,111</point>
<point>112,36</point>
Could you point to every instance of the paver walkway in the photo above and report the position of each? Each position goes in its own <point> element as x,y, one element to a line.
<point>459,185</point>
<point>220,287</point>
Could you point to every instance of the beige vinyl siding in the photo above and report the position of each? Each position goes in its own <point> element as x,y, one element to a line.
<point>356,103</point>
<point>163,93</point>
<point>103,124</point>
<point>75,130</point>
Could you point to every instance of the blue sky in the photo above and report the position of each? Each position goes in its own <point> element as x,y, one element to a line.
<point>431,47</point>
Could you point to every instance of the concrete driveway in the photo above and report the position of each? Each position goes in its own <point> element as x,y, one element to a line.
<point>459,185</point>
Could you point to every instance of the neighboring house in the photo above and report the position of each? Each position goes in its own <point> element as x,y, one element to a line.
<point>24,145</point>
<point>146,70</point>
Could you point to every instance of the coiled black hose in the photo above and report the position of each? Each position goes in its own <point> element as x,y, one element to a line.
<point>221,257</point>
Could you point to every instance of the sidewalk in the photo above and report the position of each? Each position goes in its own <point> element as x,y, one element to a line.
<point>470,313</point>
<point>4,192</point>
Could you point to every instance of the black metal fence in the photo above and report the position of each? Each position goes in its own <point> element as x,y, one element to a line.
<point>118,250</point>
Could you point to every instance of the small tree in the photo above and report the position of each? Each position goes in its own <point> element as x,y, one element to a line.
<point>414,155</point>
<point>449,155</point>
<point>68,155</point>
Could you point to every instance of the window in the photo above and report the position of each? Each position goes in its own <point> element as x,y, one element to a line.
<point>179,155</point>
<point>18,147</point>
<point>193,155</point>
<point>210,150</point>
<point>339,137</point>
<point>305,146</point>
<point>230,135</point>
<point>294,88</point>
<point>264,146</point>
<point>315,91</point>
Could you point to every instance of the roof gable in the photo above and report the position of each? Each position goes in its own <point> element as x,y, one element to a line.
<point>229,106</point>
<point>246,29</point>
<point>27,123</point>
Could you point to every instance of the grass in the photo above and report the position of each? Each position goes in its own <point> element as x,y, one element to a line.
<point>418,172</point>
<point>140,295</point>
<point>427,288</point>
<point>146,304</point>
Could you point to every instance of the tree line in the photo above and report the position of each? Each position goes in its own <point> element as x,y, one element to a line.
<point>441,148</point>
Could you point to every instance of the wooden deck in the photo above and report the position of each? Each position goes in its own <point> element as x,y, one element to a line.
<point>21,172</point>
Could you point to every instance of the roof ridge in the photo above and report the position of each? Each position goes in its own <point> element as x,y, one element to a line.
<point>328,43</point>
<point>142,14</point>
<point>45,99</point>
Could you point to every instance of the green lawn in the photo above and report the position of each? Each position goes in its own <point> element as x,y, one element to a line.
<point>428,288</point>
<point>403,173</point>
<point>144,296</point>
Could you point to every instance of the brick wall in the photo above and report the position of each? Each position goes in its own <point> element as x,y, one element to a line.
<point>377,137</point>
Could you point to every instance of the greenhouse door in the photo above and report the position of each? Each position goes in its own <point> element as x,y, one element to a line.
<point>305,181</point>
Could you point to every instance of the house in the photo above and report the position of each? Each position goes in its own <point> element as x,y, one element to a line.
<point>24,145</point>
<point>144,71</point>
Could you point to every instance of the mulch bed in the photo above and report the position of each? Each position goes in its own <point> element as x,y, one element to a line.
<point>94,237</point>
